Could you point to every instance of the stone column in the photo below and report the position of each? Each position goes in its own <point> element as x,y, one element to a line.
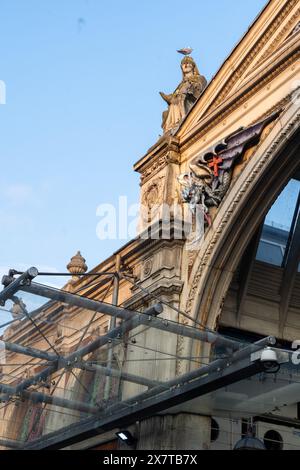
<point>175,432</point>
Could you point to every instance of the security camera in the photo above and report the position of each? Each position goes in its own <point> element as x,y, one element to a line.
<point>269,360</point>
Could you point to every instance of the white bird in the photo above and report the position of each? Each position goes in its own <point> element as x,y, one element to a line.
<point>185,51</point>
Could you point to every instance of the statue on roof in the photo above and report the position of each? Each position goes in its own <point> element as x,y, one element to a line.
<point>186,94</point>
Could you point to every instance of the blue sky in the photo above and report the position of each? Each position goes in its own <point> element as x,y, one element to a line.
<point>82,80</point>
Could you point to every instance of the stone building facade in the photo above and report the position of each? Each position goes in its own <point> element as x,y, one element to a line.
<point>242,136</point>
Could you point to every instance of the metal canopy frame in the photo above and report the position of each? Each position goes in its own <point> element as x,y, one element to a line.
<point>124,415</point>
<point>159,396</point>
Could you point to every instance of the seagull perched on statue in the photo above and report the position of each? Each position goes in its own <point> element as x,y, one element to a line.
<point>185,51</point>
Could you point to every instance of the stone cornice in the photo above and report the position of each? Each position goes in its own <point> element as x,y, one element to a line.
<point>282,36</point>
<point>266,25</point>
<point>165,151</point>
<point>272,28</point>
<point>164,287</point>
<point>285,49</point>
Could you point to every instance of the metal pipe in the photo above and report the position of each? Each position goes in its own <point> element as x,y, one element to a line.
<point>73,357</point>
<point>61,402</point>
<point>148,319</point>
<point>108,371</point>
<point>125,314</point>
<point>218,364</point>
<point>38,397</point>
<point>28,351</point>
<point>15,285</point>
<point>133,320</point>
<point>115,298</point>
<point>10,444</point>
<point>136,408</point>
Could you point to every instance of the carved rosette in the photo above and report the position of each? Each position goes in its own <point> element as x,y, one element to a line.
<point>153,194</point>
<point>147,267</point>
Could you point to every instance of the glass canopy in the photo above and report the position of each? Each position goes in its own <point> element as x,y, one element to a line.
<point>68,373</point>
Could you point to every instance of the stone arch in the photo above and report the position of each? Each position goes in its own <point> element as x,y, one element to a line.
<point>241,213</point>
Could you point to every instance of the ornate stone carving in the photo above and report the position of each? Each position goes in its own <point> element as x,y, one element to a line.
<point>254,52</point>
<point>95,332</point>
<point>77,266</point>
<point>209,179</point>
<point>158,165</point>
<point>260,82</point>
<point>297,27</point>
<point>153,193</point>
<point>147,268</point>
<point>280,37</point>
<point>17,310</point>
<point>186,94</point>
<point>227,216</point>
<point>58,337</point>
<point>180,349</point>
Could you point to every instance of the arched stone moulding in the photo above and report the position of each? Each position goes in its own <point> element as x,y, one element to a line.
<point>242,211</point>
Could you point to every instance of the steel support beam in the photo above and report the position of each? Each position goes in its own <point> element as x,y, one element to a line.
<point>38,397</point>
<point>219,364</point>
<point>28,351</point>
<point>74,357</point>
<point>109,372</point>
<point>11,444</point>
<point>133,320</point>
<point>125,314</point>
<point>218,374</point>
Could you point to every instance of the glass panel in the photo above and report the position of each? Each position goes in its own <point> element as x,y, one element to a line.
<point>59,368</point>
<point>278,224</point>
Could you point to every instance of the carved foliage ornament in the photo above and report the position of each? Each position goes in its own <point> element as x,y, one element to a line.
<point>209,179</point>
